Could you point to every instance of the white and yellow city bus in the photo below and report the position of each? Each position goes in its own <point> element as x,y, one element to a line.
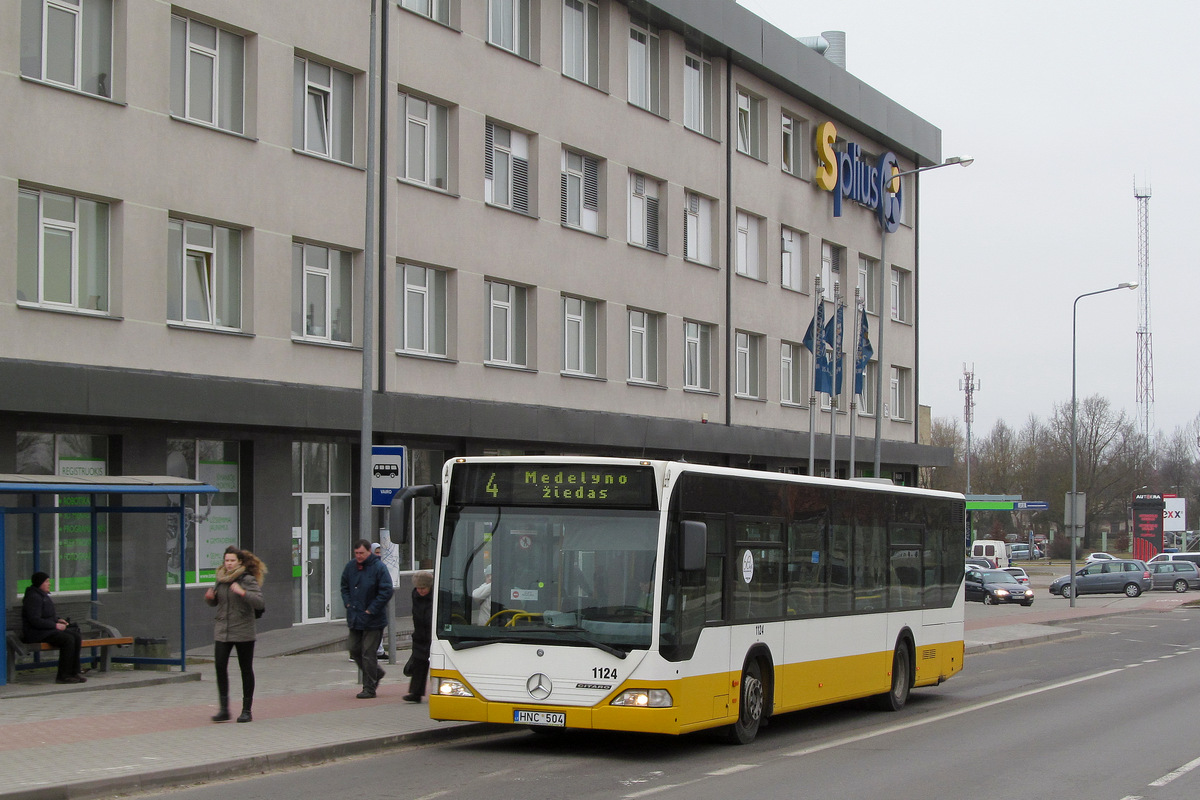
<point>669,597</point>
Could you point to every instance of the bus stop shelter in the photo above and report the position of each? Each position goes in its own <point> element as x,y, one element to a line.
<point>96,491</point>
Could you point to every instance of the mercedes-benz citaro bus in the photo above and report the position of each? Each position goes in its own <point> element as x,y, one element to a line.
<point>667,597</point>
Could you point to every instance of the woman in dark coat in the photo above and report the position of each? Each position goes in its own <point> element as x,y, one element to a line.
<point>237,595</point>
<point>422,635</point>
<point>39,623</point>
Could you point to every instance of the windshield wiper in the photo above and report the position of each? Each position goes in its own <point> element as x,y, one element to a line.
<point>457,644</point>
<point>581,635</point>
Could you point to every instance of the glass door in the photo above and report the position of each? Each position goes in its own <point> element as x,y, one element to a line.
<point>314,572</point>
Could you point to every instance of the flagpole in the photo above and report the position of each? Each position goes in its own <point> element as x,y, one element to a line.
<point>854,380</point>
<point>834,363</point>
<point>812,394</point>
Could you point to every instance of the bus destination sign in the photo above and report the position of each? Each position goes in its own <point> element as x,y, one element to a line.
<point>553,485</point>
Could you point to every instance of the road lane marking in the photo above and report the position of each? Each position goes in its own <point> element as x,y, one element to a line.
<point>860,737</point>
<point>733,769</point>
<point>1170,776</point>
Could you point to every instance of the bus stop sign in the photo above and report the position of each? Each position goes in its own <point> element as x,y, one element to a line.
<point>387,473</point>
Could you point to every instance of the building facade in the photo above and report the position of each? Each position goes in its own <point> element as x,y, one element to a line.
<point>587,226</point>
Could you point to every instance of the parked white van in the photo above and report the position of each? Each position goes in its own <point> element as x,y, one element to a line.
<point>1193,557</point>
<point>993,550</point>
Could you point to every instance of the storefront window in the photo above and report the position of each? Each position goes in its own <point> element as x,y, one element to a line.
<point>63,542</point>
<point>211,519</point>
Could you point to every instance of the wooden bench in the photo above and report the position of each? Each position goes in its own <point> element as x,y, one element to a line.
<point>96,635</point>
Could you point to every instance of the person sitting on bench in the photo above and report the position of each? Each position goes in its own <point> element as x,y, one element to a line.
<point>41,624</point>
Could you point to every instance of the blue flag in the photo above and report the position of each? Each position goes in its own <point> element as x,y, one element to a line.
<point>833,337</point>
<point>865,351</point>
<point>819,347</point>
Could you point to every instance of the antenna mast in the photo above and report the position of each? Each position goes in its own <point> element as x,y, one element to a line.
<point>1145,347</point>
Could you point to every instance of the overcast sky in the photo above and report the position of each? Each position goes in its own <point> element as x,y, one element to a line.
<point>1062,103</point>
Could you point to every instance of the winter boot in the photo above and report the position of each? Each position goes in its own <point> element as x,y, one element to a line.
<point>222,714</point>
<point>245,716</point>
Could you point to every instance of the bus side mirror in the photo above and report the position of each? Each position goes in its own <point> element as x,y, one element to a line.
<point>693,545</point>
<point>401,503</point>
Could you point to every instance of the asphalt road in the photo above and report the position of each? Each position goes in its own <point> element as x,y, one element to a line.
<point>1108,715</point>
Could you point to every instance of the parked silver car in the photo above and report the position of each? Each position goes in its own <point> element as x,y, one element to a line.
<point>1177,575</point>
<point>1118,575</point>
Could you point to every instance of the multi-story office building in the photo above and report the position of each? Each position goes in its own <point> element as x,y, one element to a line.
<point>594,228</point>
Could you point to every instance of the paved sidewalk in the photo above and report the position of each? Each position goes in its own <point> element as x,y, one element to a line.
<point>152,730</point>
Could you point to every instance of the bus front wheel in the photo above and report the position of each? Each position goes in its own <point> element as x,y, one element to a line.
<point>895,698</point>
<point>751,705</point>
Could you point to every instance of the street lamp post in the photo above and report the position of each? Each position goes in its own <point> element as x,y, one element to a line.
<point>964,161</point>
<point>1074,406</point>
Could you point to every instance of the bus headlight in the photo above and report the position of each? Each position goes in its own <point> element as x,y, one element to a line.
<point>644,698</point>
<point>448,687</point>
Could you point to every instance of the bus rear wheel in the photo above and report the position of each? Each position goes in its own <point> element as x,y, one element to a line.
<point>895,698</point>
<point>750,710</point>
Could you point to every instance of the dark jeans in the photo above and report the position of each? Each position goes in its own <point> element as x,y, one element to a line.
<point>67,643</point>
<point>363,646</point>
<point>245,655</point>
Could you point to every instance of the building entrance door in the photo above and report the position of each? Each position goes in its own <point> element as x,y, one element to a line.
<point>314,572</point>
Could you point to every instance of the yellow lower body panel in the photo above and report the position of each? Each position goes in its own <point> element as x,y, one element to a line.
<point>709,701</point>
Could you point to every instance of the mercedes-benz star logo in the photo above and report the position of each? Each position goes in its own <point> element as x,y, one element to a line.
<point>539,686</point>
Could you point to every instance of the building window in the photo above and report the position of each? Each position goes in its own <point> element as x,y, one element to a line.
<point>507,325</point>
<point>868,283</point>
<point>436,10</point>
<point>579,336</point>
<point>870,380</point>
<point>698,229</point>
<point>424,142</point>
<point>204,274</point>
<point>747,347</point>
<point>211,520</point>
<point>580,190</point>
<point>644,67</point>
<point>510,27</point>
<point>832,257</point>
<point>581,41</point>
<point>901,389</point>
<point>323,291</point>
<point>68,43</point>
<point>424,310</point>
<point>62,553</point>
<point>643,212</point>
<point>901,294</point>
<point>643,346</point>
<point>698,96</point>
<point>697,368</point>
<point>506,168</point>
<point>207,74</point>
<point>62,251</point>
<point>791,259</point>
<point>749,124</point>
<point>795,145</point>
<point>323,122</point>
<point>791,374</point>
<point>749,259</point>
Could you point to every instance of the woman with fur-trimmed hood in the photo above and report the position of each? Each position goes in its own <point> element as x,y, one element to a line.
<point>237,595</point>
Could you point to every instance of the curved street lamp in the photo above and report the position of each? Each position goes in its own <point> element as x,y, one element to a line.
<point>1074,406</point>
<point>962,161</point>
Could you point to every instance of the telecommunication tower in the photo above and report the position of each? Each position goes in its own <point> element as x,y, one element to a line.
<point>969,385</point>
<point>1145,346</point>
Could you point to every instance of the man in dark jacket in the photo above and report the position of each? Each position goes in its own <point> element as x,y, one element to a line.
<point>366,591</point>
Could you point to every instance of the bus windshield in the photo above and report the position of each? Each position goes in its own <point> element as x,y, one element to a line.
<point>573,576</point>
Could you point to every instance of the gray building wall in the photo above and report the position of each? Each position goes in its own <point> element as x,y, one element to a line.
<point>139,378</point>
